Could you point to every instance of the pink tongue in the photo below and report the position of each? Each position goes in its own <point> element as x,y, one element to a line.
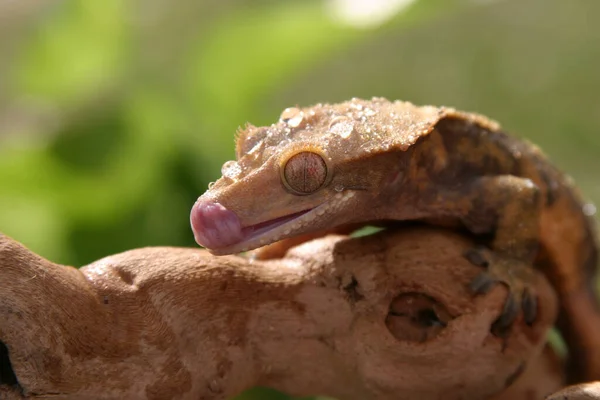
<point>215,226</point>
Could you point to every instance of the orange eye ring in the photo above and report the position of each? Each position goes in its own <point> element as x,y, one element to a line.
<point>305,172</point>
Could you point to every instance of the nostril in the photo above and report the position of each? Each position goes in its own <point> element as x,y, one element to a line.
<point>7,374</point>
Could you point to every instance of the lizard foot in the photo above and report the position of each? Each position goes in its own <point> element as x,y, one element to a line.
<point>518,277</point>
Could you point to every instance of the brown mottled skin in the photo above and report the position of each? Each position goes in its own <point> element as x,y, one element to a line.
<point>369,161</point>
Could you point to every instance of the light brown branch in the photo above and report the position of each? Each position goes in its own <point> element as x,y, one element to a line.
<point>382,317</point>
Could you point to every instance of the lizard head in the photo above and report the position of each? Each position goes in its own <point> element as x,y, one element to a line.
<point>314,169</point>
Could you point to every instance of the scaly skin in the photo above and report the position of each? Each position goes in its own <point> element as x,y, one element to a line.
<point>333,166</point>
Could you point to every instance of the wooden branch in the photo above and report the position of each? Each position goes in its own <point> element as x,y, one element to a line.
<point>585,391</point>
<point>383,317</point>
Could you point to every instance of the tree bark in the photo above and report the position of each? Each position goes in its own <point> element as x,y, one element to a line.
<point>387,316</point>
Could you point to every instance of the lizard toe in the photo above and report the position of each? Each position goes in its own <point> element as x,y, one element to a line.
<point>529,305</point>
<point>482,283</point>
<point>509,314</point>
<point>476,257</point>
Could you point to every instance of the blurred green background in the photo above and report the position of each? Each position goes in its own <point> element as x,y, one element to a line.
<point>115,115</point>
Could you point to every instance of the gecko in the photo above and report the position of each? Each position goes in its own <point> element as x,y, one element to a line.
<point>361,161</point>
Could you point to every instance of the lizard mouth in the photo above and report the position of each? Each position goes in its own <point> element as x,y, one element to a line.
<point>220,230</point>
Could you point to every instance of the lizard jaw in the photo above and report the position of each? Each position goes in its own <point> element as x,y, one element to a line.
<point>221,232</point>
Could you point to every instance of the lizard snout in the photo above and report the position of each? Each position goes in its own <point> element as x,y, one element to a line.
<point>214,226</point>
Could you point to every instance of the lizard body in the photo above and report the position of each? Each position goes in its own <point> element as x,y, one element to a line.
<point>335,165</point>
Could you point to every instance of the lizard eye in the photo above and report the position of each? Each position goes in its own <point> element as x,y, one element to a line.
<point>304,173</point>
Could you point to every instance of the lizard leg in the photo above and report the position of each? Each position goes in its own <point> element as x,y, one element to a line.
<point>508,207</point>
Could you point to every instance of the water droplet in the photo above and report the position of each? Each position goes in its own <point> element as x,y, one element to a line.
<point>589,209</point>
<point>342,127</point>
<point>369,112</point>
<point>231,170</point>
<point>284,142</point>
<point>210,185</point>
<point>214,386</point>
<point>256,147</point>
<point>338,188</point>
<point>292,116</point>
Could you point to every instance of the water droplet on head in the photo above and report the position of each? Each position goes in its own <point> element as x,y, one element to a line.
<point>256,147</point>
<point>231,170</point>
<point>210,185</point>
<point>589,209</point>
<point>342,126</point>
<point>369,112</point>
<point>284,142</point>
<point>214,386</point>
<point>292,116</point>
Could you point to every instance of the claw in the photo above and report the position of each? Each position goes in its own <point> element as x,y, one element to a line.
<point>508,316</point>
<point>476,257</point>
<point>482,283</point>
<point>529,306</point>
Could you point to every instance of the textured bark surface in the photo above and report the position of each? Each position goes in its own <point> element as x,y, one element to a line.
<point>386,316</point>
<point>587,391</point>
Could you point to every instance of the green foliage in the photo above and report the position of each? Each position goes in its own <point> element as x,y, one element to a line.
<point>128,111</point>
<point>73,52</point>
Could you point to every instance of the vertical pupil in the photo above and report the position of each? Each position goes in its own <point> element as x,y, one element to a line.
<point>305,172</point>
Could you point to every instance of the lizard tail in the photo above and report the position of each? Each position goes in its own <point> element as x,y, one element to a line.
<point>579,324</point>
<point>579,316</point>
<point>575,279</point>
